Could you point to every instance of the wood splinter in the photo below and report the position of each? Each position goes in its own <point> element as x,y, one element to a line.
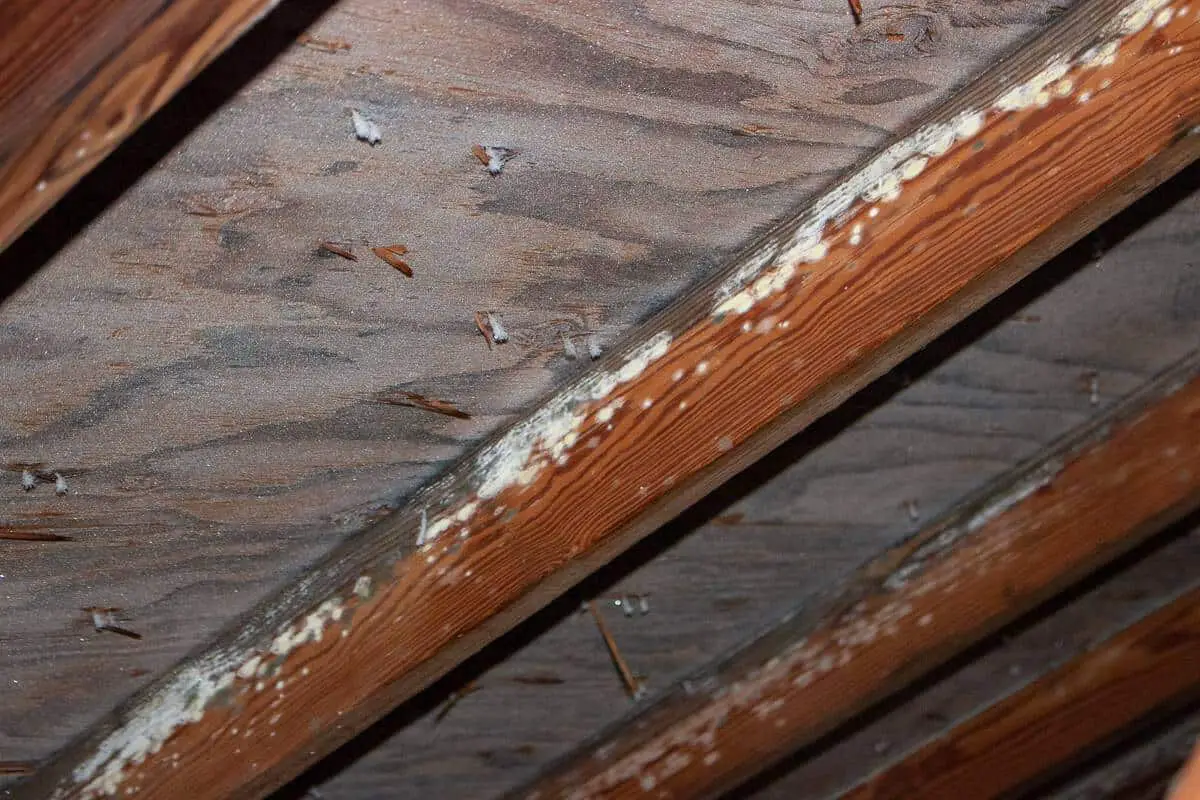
<point>454,699</point>
<point>494,158</point>
<point>633,686</point>
<point>391,254</point>
<point>337,250</point>
<point>323,45</point>
<point>16,768</point>
<point>105,619</point>
<point>398,397</point>
<point>26,535</point>
<point>491,328</point>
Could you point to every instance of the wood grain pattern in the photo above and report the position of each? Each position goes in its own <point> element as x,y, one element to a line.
<point>415,614</point>
<point>913,607</point>
<point>787,532</point>
<point>1144,773</point>
<point>76,78</point>
<point>1152,665</point>
<point>1117,596</point>
<point>205,377</point>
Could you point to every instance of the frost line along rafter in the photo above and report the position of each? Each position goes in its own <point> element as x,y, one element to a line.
<point>1014,169</point>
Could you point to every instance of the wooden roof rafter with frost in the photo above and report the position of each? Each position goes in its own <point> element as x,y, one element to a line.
<point>844,369</point>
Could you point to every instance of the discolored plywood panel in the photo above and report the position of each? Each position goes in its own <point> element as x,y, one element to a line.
<point>201,373</point>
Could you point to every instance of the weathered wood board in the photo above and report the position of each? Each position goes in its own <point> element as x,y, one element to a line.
<point>1115,599</point>
<point>207,375</point>
<point>200,373</point>
<point>1118,307</point>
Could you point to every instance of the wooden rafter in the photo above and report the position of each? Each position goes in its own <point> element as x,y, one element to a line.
<point>1187,785</point>
<point>1151,666</point>
<point>1080,123</point>
<point>1079,505</point>
<point>79,76</point>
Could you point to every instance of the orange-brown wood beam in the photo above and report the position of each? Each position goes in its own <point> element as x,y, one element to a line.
<point>1151,666</point>
<point>78,76</point>
<point>1019,165</point>
<point>1084,502</point>
<point>1187,783</point>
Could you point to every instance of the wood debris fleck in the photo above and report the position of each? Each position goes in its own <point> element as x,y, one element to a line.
<point>105,619</point>
<point>494,158</point>
<point>323,45</point>
<point>1090,381</point>
<point>455,699</point>
<point>337,250</point>
<point>569,348</point>
<point>753,129</point>
<point>490,326</point>
<point>538,679</point>
<point>399,397</point>
<point>391,254</point>
<point>27,535</point>
<point>16,768</point>
<point>365,129</point>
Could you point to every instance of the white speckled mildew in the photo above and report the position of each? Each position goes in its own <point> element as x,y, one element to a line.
<point>1036,90</point>
<point>916,563</point>
<point>521,454</point>
<point>516,458</point>
<point>1137,15</point>
<point>180,702</point>
<point>763,692</point>
<point>771,268</point>
<point>530,446</point>
<point>184,699</point>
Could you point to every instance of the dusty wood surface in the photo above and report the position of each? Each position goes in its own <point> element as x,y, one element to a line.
<point>1152,666</point>
<point>177,603</point>
<point>804,518</point>
<point>76,78</point>
<point>211,412</point>
<point>915,606</point>
<point>209,409</point>
<point>495,483</point>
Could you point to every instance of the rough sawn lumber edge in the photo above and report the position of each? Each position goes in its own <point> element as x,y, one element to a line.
<point>46,146</point>
<point>1151,667</point>
<point>898,250</point>
<point>1075,506</point>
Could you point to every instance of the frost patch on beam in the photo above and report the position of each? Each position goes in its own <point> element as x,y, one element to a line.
<point>878,181</point>
<point>770,267</point>
<point>521,454</point>
<point>181,702</point>
<point>185,699</point>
